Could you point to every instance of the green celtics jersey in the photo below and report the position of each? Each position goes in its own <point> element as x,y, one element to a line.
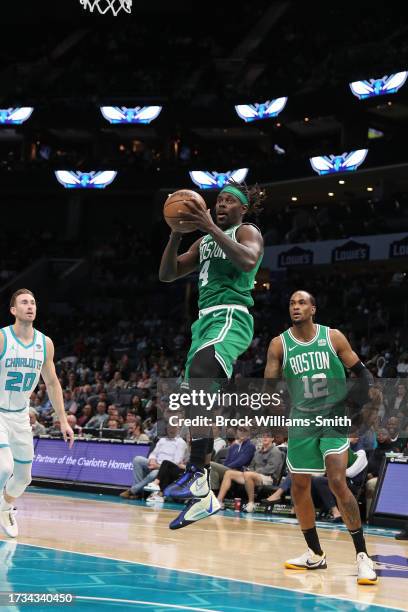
<point>313,371</point>
<point>220,281</point>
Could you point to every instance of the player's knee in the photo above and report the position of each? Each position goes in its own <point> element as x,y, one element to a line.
<point>337,484</point>
<point>205,365</point>
<point>300,486</point>
<point>6,470</point>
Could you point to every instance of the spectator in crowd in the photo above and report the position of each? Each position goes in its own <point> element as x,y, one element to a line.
<point>264,469</point>
<point>55,429</point>
<point>366,433</point>
<point>117,382</point>
<point>398,404</point>
<point>283,489</point>
<point>131,418</point>
<point>112,423</point>
<point>70,404</point>
<point>86,415</point>
<point>230,438</point>
<point>171,447</point>
<point>394,430</point>
<point>98,420</point>
<point>219,442</point>
<point>402,367</point>
<point>72,421</point>
<point>37,428</point>
<point>135,432</point>
<point>384,445</point>
<point>239,456</point>
<point>168,473</point>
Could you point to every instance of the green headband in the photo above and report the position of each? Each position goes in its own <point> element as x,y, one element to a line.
<point>237,193</point>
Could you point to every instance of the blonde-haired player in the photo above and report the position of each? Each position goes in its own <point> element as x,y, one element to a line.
<point>25,353</point>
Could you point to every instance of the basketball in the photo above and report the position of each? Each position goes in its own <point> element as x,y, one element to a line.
<point>174,208</point>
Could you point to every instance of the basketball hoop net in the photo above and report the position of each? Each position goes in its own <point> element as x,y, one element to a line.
<point>104,6</point>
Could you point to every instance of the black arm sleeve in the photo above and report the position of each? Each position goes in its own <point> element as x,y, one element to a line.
<point>361,385</point>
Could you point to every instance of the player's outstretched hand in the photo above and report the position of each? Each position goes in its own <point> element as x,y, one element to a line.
<point>199,216</point>
<point>68,434</point>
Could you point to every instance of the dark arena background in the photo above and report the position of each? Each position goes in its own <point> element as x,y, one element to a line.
<point>102,116</point>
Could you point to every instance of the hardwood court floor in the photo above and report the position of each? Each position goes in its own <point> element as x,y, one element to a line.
<point>240,549</point>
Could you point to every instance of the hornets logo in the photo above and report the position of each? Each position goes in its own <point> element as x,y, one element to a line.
<point>379,87</point>
<point>217,180</point>
<point>263,110</point>
<point>15,116</point>
<point>330,164</point>
<point>85,180</point>
<point>123,114</point>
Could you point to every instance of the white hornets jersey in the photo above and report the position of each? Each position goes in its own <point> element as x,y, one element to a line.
<point>20,368</point>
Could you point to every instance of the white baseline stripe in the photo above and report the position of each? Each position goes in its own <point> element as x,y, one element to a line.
<point>145,603</point>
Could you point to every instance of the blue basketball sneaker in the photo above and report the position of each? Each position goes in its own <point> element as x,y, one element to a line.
<point>194,483</point>
<point>195,510</point>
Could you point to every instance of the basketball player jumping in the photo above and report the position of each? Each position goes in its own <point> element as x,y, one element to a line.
<point>228,258</point>
<point>311,358</point>
<point>25,353</point>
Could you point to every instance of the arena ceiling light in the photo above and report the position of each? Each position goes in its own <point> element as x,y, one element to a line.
<point>206,179</point>
<point>379,87</point>
<point>261,110</point>
<point>123,114</point>
<point>74,179</point>
<point>330,164</point>
<point>15,116</point>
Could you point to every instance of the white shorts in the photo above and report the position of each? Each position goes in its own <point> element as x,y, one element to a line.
<point>15,432</point>
<point>266,480</point>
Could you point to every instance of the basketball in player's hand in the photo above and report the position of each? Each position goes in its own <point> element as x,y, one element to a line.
<point>174,208</point>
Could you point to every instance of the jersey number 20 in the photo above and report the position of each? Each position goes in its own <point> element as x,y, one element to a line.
<point>17,381</point>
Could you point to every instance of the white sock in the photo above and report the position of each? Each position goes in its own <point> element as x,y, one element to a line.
<point>5,505</point>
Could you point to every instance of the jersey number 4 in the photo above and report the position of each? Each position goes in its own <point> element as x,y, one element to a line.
<point>204,273</point>
<point>17,381</point>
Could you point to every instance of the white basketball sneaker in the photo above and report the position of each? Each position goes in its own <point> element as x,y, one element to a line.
<point>365,570</point>
<point>308,561</point>
<point>8,522</point>
<point>195,510</point>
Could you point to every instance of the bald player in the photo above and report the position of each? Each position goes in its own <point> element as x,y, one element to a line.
<point>312,358</point>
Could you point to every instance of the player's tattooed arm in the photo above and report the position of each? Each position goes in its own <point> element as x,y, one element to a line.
<point>174,266</point>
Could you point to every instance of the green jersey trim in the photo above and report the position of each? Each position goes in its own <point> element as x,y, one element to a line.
<point>285,351</point>
<point>337,451</point>
<point>305,470</point>
<point>300,342</point>
<point>205,311</point>
<point>329,342</point>
<point>223,332</point>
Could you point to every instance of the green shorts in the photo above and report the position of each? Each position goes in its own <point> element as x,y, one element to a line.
<point>228,328</point>
<point>307,455</point>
